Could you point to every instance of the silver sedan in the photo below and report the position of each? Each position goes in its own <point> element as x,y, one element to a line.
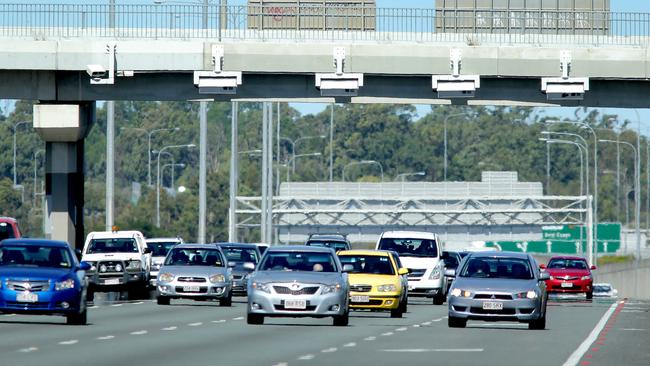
<point>194,271</point>
<point>494,286</point>
<point>298,281</point>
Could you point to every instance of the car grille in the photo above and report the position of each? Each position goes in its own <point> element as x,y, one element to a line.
<point>360,288</point>
<point>191,279</point>
<point>283,290</point>
<point>33,286</point>
<point>493,296</point>
<point>477,310</point>
<point>27,305</point>
<point>416,272</point>
<point>201,290</point>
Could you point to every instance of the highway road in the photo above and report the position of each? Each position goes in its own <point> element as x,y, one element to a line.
<point>197,333</point>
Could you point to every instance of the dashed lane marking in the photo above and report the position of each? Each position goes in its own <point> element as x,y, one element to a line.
<point>306,357</point>
<point>28,350</point>
<point>371,338</point>
<point>105,338</point>
<point>423,350</point>
<point>351,344</point>
<point>139,332</point>
<point>69,343</point>
<point>169,328</point>
<point>195,324</point>
<point>330,350</point>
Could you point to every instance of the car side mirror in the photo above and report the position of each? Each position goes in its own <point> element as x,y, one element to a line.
<point>248,265</point>
<point>593,268</point>
<point>402,271</point>
<point>84,266</point>
<point>542,266</point>
<point>348,268</point>
<point>450,273</point>
<point>146,250</point>
<point>544,276</point>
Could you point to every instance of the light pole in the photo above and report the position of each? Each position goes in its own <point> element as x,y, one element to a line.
<point>16,125</point>
<point>35,172</point>
<point>292,161</point>
<point>362,162</point>
<point>149,133</point>
<point>445,141</point>
<point>172,165</point>
<point>189,146</point>
<point>402,176</point>
<point>637,193</point>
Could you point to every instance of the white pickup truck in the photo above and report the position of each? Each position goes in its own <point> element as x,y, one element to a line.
<point>420,253</point>
<point>119,260</point>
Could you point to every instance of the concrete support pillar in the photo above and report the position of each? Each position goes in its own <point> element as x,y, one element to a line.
<point>63,127</point>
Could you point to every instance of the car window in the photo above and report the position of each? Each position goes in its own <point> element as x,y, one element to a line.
<point>35,256</point>
<point>161,248</point>
<point>484,267</point>
<point>410,247</point>
<point>368,264</point>
<point>112,245</point>
<point>240,255</point>
<point>194,257</point>
<point>299,261</point>
<point>562,263</point>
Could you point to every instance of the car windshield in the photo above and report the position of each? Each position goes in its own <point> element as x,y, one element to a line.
<point>194,257</point>
<point>298,261</point>
<point>410,247</point>
<point>567,263</point>
<point>240,255</point>
<point>112,245</point>
<point>485,267</point>
<point>368,264</point>
<point>336,245</point>
<point>6,231</point>
<point>161,248</point>
<point>35,256</point>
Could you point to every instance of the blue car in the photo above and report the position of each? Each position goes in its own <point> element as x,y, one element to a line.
<point>39,276</point>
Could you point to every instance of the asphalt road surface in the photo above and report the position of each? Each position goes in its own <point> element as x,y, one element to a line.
<point>602,332</point>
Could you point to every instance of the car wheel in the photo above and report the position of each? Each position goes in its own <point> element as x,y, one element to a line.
<point>454,322</point>
<point>77,318</point>
<point>342,320</point>
<point>254,319</point>
<point>438,299</point>
<point>590,295</point>
<point>162,300</point>
<point>226,301</point>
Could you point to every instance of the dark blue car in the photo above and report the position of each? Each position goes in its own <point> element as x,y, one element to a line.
<point>39,276</point>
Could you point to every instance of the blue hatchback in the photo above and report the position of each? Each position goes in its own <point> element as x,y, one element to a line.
<point>39,276</point>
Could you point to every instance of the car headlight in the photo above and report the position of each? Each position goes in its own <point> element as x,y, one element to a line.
<point>435,273</point>
<point>64,285</point>
<point>587,277</point>
<point>387,288</point>
<point>331,288</point>
<point>217,278</point>
<point>261,286</point>
<point>166,277</point>
<point>460,293</point>
<point>134,265</point>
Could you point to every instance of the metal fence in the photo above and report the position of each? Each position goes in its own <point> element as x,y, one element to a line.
<point>322,23</point>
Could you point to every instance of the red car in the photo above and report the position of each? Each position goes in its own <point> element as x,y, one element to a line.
<point>569,274</point>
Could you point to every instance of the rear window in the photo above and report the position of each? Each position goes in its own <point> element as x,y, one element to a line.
<point>112,245</point>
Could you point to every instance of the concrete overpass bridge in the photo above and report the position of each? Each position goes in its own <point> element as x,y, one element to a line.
<point>68,56</point>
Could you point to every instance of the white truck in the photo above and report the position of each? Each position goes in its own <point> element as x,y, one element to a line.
<point>120,260</point>
<point>420,253</point>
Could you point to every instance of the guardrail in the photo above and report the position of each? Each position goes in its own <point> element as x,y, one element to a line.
<point>326,23</point>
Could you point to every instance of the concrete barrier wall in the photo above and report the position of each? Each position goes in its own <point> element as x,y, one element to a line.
<point>630,280</point>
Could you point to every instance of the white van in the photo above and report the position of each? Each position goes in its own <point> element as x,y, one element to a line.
<point>420,253</point>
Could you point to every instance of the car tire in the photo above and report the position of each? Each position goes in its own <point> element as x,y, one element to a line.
<point>454,322</point>
<point>77,318</point>
<point>438,299</point>
<point>226,301</point>
<point>254,319</point>
<point>163,300</point>
<point>341,320</point>
<point>590,295</point>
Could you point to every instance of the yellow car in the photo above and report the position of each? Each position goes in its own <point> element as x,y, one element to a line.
<point>376,282</point>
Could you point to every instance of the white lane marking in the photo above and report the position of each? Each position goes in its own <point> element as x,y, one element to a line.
<point>219,321</point>
<point>576,356</point>
<point>105,338</point>
<point>69,343</point>
<point>28,349</point>
<point>371,338</point>
<point>426,323</point>
<point>117,305</point>
<point>139,332</point>
<point>306,357</point>
<point>195,324</point>
<point>387,334</point>
<point>351,344</point>
<point>401,329</point>
<point>422,350</point>
<point>169,328</point>
<point>330,350</point>
<point>238,318</point>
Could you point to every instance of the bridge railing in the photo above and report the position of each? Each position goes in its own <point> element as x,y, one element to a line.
<point>326,23</point>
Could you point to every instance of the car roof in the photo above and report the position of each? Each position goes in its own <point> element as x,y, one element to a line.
<point>36,242</point>
<point>408,234</point>
<point>298,248</point>
<point>236,245</point>
<point>575,257</point>
<point>157,240</point>
<point>377,253</point>
<point>495,254</point>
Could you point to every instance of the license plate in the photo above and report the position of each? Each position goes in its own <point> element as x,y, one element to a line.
<point>112,281</point>
<point>26,297</point>
<point>191,288</point>
<point>566,284</point>
<point>488,305</point>
<point>360,298</point>
<point>295,304</point>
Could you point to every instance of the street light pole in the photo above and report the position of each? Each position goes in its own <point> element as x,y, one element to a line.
<point>445,142</point>
<point>189,146</point>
